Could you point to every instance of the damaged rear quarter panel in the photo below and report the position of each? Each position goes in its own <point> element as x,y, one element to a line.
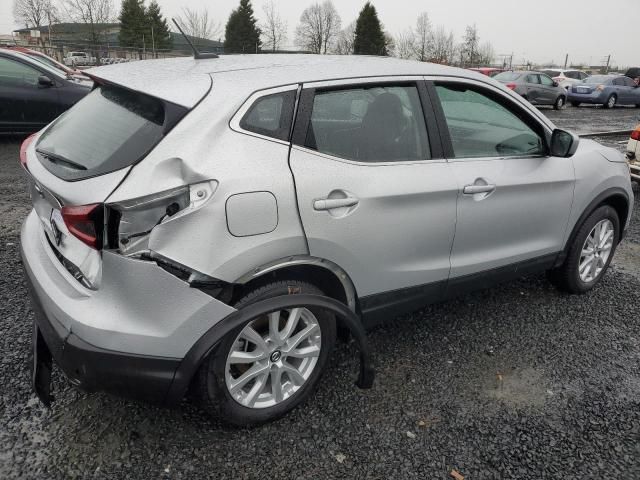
<point>202,147</point>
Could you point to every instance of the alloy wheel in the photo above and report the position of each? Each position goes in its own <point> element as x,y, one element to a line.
<point>612,101</point>
<point>596,251</point>
<point>273,357</point>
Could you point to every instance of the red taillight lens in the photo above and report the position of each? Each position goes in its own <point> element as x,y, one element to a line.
<point>86,223</point>
<point>23,150</point>
<point>511,86</point>
<point>635,135</point>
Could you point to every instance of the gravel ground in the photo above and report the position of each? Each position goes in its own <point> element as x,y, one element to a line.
<point>518,381</point>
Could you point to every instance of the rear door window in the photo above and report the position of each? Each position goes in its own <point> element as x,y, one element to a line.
<point>533,79</point>
<point>378,123</point>
<point>111,128</point>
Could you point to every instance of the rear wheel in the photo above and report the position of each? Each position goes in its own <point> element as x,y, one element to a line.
<point>269,365</point>
<point>590,253</point>
<point>611,101</point>
<point>559,103</point>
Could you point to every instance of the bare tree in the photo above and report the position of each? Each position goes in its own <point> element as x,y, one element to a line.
<point>319,26</point>
<point>274,28</point>
<point>198,24</point>
<point>422,44</point>
<point>345,40</point>
<point>486,53</point>
<point>34,13</point>
<point>93,13</point>
<point>469,47</point>
<point>404,45</point>
<point>443,46</point>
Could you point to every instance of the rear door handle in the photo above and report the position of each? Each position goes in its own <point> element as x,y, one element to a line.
<point>331,203</point>
<point>473,189</point>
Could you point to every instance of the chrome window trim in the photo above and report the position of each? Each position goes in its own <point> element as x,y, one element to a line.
<point>234,123</point>
<point>366,164</point>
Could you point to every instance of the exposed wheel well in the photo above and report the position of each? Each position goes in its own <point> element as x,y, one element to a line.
<point>321,277</point>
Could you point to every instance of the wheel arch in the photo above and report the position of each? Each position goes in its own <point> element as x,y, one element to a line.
<point>326,275</point>
<point>616,198</point>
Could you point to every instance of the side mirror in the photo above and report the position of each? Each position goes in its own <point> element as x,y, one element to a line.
<point>45,82</point>
<point>556,84</point>
<point>563,144</point>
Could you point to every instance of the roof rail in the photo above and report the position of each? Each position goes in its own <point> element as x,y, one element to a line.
<point>196,53</point>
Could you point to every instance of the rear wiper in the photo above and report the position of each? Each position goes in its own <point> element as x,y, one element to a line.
<point>55,158</point>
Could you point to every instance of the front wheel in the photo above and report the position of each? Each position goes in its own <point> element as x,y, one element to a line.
<point>559,103</point>
<point>590,252</point>
<point>269,365</point>
<point>611,101</point>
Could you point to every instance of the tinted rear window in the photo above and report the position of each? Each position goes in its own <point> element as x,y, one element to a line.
<point>111,128</point>
<point>507,76</point>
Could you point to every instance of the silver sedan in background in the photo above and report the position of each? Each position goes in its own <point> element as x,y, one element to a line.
<point>536,87</point>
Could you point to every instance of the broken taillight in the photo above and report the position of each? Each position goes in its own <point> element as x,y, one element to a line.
<point>23,150</point>
<point>85,222</point>
<point>635,135</point>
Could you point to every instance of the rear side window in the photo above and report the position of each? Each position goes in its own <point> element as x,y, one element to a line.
<point>507,76</point>
<point>111,128</point>
<point>533,79</point>
<point>372,124</point>
<point>483,126</point>
<point>271,115</point>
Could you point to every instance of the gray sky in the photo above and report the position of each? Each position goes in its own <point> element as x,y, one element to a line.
<point>535,30</point>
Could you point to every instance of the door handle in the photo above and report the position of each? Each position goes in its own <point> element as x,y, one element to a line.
<point>331,203</point>
<point>473,189</point>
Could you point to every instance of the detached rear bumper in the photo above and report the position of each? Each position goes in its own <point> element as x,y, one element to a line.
<point>92,368</point>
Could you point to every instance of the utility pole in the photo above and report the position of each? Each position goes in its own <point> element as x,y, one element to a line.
<point>608,60</point>
<point>566,60</point>
<point>153,43</point>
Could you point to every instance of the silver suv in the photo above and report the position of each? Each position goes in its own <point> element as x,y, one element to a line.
<point>197,224</point>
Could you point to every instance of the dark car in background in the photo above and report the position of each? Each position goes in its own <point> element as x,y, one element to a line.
<point>46,59</point>
<point>32,94</point>
<point>605,90</point>
<point>536,87</point>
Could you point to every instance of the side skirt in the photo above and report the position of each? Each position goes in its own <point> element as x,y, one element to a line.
<point>379,307</point>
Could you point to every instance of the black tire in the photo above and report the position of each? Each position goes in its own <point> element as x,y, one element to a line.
<point>567,277</point>
<point>575,104</point>
<point>608,103</point>
<point>638,105</point>
<point>559,103</point>
<point>210,389</point>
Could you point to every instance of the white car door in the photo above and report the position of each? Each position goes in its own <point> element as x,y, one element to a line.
<point>375,194</point>
<point>515,199</point>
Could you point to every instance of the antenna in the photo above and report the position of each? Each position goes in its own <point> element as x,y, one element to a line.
<point>196,53</point>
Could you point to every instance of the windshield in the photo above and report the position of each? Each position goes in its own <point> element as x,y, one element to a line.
<point>111,128</point>
<point>507,76</point>
<point>49,62</point>
<point>597,79</point>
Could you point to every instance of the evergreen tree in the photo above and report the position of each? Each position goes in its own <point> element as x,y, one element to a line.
<point>133,24</point>
<point>159,34</point>
<point>369,39</point>
<point>242,34</point>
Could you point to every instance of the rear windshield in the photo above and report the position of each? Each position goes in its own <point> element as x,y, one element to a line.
<point>111,128</point>
<point>597,79</point>
<point>507,76</point>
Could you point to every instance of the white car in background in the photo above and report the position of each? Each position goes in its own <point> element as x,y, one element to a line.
<point>633,154</point>
<point>566,78</point>
<point>75,59</point>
